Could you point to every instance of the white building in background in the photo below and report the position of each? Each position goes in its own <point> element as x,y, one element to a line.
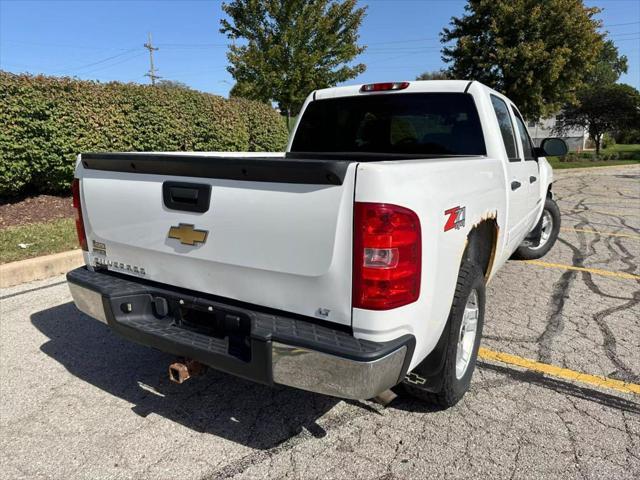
<point>577,138</point>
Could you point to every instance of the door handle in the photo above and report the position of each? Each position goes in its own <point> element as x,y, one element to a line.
<point>515,185</point>
<point>532,179</point>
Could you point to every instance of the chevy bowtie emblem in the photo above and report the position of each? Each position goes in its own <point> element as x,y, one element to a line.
<point>187,234</point>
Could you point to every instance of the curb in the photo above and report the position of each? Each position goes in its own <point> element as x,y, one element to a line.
<point>39,268</point>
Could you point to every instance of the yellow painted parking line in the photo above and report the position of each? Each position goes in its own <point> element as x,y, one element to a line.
<point>564,373</point>
<point>595,232</point>
<point>596,271</point>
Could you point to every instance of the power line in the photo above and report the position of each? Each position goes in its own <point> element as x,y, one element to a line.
<point>82,67</point>
<point>124,60</point>
<point>621,24</point>
<point>152,71</point>
<point>375,51</point>
<point>406,41</point>
<point>63,45</point>
<point>207,45</point>
<point>191,45</point>
<point>623,34</point>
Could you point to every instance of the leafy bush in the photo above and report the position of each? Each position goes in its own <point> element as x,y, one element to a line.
<point>266,127</point>
<point>630,135</point>
<point>629,155</point>
<point>603,157</point>
<point>47,121</point>
<point>570,157</point>
<point>609,156</point>
<point>608,141</point>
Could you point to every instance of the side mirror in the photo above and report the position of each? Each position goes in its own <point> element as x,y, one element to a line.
<point>552,147</point>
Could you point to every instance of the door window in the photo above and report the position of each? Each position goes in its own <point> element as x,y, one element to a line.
<point>527,145</point>
<point>506,128</point>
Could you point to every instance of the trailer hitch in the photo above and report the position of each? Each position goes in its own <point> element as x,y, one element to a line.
<point>181,371</point>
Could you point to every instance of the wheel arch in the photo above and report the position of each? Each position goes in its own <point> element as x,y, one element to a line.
<point>482,243</point>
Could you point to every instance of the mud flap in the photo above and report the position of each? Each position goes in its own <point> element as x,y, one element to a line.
<point>428,374</point>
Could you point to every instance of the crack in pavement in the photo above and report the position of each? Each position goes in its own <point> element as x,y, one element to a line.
<point>624,371</point>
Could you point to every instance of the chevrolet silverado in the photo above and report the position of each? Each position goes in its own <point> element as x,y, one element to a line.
<point>351,263</point>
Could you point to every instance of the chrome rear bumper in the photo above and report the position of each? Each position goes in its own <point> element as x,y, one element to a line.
<point>88,301</point>
<point>272,349</point>
<point>333,375</point>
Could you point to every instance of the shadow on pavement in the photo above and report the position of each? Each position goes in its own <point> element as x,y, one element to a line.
<point>254,415</point>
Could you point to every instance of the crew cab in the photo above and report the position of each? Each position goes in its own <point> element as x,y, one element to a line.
<point>351,263</point>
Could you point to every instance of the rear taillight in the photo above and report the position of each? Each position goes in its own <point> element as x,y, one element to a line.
<point>384,86</point>
<point>387,256</point>
<point>82,236</point>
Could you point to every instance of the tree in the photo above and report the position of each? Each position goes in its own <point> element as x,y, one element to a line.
<point>291,47</point>
<point>598,105</point>
<point>601,109</point>
<point>608,66</point>
<point>535,52</point>
<point>246,90</point>
<point>435,75</point>
<point>172,84</point>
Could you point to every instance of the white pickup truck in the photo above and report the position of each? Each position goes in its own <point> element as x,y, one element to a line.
<point>351,263</point>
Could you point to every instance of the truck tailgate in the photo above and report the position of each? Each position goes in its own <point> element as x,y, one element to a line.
<point>277,232</point>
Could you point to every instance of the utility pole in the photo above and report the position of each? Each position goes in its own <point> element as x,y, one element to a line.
<point>152,71</point>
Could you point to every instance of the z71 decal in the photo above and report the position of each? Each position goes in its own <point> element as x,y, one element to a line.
<point>456,218</point>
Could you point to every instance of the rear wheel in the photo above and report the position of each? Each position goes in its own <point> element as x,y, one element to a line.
<point>549,230</point>
<point>466,320</point>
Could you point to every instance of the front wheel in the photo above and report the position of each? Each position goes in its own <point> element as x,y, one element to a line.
<point>466,319</point>
<point>549,230</point>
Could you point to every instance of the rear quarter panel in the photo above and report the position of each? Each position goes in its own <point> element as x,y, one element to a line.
<point>429,188</point>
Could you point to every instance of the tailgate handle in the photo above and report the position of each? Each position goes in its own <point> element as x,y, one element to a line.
<point>187,197</point>
<point>184,195</point>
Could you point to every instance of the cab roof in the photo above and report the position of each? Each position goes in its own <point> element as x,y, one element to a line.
<point>416,86</point>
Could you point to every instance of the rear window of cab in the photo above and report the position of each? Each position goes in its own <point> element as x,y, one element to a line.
<point>407,123</point>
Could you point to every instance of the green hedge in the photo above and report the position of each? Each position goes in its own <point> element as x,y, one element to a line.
<point>47,121</point>
<point>603,157</point>
<point>264,130</point>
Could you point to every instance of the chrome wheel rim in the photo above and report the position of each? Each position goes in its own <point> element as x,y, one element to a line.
<point>467,334</point>
<point>545,233</point>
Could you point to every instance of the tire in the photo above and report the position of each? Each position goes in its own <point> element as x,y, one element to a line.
<point>455,380</point>
<point>551,213</point>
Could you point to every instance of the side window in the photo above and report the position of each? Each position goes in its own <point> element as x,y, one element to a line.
<point>527,145</point>
<point>506,128</point>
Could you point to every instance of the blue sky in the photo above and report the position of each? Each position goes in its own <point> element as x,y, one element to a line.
<point>103,40</point>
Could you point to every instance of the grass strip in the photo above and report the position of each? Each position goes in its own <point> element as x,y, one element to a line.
<point>34,240</point>
<point>557,164</point>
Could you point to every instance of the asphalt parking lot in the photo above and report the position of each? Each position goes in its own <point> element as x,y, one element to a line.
<point>79,402</point>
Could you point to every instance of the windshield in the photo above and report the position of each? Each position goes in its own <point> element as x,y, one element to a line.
<point>408,123</point>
